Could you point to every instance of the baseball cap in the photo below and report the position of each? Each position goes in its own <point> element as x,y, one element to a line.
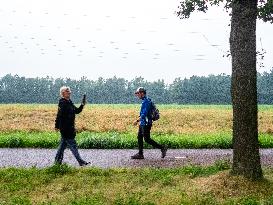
<point>140,90</point>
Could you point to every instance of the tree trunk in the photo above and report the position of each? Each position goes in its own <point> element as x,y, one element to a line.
<point>246,157</point>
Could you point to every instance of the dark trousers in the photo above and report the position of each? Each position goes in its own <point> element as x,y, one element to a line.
<point>71,143</point>
<point>145,132</point>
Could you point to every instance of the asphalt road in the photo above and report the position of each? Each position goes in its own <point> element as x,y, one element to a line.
<point>121,157</point>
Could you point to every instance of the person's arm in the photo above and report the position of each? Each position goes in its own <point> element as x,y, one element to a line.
<point>137,121</point>
<point>60,114</point>
<point>78,109</point>
<point>144,112</point>
<point>57,120</point>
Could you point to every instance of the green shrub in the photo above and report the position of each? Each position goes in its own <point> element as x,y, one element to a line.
<point>115,140</point>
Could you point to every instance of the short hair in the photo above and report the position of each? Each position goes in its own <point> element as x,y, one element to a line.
<point>62,89</point>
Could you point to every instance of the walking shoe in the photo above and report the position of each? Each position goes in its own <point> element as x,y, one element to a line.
<point>137,156</point>
<point>84,163</point>
<point>163,152</point>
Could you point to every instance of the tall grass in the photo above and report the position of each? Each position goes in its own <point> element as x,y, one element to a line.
<point>110,126</point>
<point>175,119</point>
<point>104,118</point>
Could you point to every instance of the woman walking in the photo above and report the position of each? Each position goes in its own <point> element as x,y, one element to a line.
<point>65,123</point>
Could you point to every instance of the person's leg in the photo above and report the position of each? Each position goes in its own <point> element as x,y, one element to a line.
<point>60,153</point>
<point>74,149</point>
<point>140,136</point>
<point>139,155</point>
<point>147,138</point>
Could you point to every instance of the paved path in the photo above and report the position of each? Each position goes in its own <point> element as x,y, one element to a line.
<point>121,157</point>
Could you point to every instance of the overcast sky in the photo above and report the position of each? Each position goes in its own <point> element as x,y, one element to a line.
<point>126,38</point>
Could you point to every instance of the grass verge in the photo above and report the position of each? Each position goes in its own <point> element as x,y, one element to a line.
<point>115,140</point>
<point>187,185</point>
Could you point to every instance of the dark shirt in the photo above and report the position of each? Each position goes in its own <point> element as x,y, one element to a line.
<point>65,120</point>
<point>145,112</point>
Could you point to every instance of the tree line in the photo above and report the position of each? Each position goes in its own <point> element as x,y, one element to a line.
<point>212,89</point>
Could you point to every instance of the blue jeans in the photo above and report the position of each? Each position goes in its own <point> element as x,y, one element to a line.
<point>71,143</point>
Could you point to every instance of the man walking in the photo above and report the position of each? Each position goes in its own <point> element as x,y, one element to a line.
<point>145,124</point>
<point>65,122</point>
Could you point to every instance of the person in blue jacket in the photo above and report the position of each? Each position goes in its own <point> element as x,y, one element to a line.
<point>145,124</point>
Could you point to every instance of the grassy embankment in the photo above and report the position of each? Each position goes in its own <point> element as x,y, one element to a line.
<point>187,185</point>
<point>110,126</point>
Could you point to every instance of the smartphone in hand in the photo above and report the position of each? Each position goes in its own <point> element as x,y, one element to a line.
<point>84,99</point>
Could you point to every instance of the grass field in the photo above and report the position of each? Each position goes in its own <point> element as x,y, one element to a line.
<point>110,126</point>
<point>187,185</point>
<point>104,118</point>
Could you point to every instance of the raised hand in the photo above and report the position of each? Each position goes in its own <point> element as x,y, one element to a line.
<point>84,99</point>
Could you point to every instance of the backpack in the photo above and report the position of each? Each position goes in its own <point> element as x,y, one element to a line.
<point>154,112</point>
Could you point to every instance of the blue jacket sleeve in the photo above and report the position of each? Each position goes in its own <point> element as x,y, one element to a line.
<point>145,107</point>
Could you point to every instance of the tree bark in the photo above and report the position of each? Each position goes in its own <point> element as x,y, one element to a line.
<point>246,157</point>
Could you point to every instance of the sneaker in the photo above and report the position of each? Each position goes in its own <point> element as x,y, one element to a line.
<point>137,156</point>
<point>163,152</point>
<point>84,163</point>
